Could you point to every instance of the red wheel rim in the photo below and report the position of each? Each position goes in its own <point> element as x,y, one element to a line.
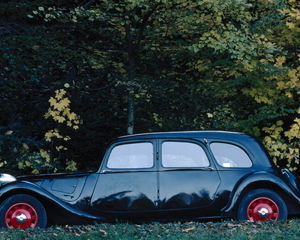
<point>262,209</point>
<point>21,215</point>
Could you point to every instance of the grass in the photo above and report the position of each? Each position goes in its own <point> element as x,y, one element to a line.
<point>288,230</point>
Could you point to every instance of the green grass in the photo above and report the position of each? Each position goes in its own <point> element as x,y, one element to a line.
<point>289,230</point>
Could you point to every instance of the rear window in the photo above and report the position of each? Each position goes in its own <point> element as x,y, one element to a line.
<point>229,155</point>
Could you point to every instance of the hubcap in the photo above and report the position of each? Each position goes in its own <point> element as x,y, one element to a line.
<point>263,212</point>
<point>21,218</point>
<point>262,209</point>
<point>21,215</point>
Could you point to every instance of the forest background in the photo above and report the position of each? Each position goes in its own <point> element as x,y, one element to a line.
<point>76,73</point>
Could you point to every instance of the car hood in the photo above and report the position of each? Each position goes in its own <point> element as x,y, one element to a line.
<point>41,177</point>
<point>65,186</point>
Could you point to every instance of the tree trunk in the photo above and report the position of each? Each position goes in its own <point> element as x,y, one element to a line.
<point>131,93</point>
<point>130,119</point>
<point>133,52</point>
<point>131,81</point>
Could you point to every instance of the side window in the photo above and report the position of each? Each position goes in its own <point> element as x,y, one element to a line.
<point>131,155</point>
<point>183,154</point>
<point>229,155</point>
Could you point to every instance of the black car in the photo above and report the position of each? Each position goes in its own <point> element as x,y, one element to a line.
<point>158,176</point>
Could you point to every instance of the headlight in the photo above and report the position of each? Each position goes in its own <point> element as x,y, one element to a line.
<point>6,178</point>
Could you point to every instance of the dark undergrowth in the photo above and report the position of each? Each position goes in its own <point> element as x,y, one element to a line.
<point>289,230</point>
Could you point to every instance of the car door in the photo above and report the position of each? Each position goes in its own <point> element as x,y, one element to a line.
<point>188,181</point>
<point>127,181</point>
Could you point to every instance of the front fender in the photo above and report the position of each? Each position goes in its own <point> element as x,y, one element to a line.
<point>18,187</point>
<point>258,177</point>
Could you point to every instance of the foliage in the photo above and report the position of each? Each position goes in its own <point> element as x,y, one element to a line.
<point>229,27</point>
<point>281,134</point>
<point>15,150</point>
<point>139,66</point>
<point>60,112</point>
<point>43,160</point>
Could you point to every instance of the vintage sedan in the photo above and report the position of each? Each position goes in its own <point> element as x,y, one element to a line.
<point>158,176</point>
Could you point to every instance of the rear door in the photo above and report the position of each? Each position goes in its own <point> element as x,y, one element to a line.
<point>188,181</point>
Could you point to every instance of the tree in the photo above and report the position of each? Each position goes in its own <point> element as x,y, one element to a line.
<point>142,25</point>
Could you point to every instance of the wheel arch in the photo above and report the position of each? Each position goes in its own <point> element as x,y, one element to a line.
<point>13,189</point>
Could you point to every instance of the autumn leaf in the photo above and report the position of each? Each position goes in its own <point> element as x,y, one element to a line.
<point>188,229</point>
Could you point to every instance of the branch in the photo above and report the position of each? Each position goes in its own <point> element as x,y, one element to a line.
<point>144,23</point>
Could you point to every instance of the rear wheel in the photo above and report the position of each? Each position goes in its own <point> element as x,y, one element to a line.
<point>262,205</point>
<point>22,211</point>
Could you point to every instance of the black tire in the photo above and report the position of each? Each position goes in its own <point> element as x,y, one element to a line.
<point>262,205</point>
<point>22,211</point>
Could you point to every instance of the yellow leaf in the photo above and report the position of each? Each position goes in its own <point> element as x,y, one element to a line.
<point>60,119</point>
<point>35,171</point>
<point>72,116</point>
<point>280,61</point>
<point>59,94</point>
<point>65,102</point>
<point>52,101</point>
<point>44,154</point>
<point>67,138</point>
<point>279,123</point>
<point>290,25</point>
<point>62,104</point>
<point>49,135</point>
<point>27,163</point>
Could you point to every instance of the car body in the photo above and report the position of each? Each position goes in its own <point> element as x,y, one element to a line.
<point>158,177</point>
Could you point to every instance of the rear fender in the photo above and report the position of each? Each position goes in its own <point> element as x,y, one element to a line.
<point>292,180</point>
<point>259,177</point>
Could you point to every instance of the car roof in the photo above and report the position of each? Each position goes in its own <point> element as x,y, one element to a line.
<point>186,134</point>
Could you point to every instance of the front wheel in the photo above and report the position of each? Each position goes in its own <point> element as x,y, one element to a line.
<point>262,205</point>
<point>22,211</point>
